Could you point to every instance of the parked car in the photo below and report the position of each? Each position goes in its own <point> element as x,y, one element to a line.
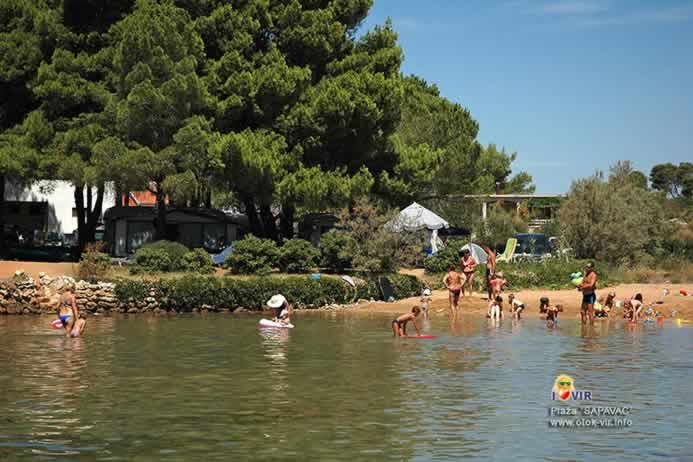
<point>219,258</point>
<point>532,246</point>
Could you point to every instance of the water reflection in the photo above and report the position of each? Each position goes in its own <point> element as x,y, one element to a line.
<point>337,387</point>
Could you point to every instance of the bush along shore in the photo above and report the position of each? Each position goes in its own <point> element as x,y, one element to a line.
<point>24,295</point>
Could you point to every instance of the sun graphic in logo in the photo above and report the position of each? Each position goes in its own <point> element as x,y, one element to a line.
<point>563,386</point>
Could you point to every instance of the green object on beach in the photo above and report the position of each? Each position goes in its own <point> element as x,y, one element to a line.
<point>509,251</point>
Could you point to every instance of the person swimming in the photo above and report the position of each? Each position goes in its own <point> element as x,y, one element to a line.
<point>281,307</point>
<point>399,324</point>
<point>67,310</point>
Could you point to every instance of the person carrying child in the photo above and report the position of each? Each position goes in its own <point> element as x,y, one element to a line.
<point>399,324</point>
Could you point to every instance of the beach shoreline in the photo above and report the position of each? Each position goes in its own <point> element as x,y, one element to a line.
<point>569,298</point>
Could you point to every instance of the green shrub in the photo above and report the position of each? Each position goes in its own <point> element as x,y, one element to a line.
<point>550,273</point>
<point>128,289</point>
<point>448,255</point>
<point>159,256</point>
<point>193,291</point>
<point>403,286</point>
<point>336,250</point>
<point>297,256</point>
<point>190,291</point>
<point>148,259</point>
<point>253,255</point>
<point>198,261</point>
<point>94,265</point>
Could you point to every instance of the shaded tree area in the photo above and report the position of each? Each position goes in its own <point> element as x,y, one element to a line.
<point>278,108</point>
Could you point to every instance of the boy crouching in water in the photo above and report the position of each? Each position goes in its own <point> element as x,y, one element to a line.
<point>399,324</point>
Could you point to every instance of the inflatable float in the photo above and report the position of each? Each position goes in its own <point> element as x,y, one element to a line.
<point>57,324</point>
<point>274,324</point>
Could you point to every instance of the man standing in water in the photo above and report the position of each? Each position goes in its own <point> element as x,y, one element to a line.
<point>588,288</point>
<point>490,268</point>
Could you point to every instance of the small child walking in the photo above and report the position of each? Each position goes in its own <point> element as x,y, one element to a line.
<point>426,302</point>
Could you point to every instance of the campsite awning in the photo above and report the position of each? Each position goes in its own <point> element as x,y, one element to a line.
<point>416,217</point>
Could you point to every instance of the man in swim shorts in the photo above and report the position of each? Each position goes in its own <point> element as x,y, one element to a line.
<point>588,289</point>
<point>454,282</point>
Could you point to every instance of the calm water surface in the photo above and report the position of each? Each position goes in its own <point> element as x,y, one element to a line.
<point>338,387</point>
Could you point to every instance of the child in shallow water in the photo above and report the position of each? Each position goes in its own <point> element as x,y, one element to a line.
<point>543,305</point>
<point>79,326</point>
<point>426,301</point>
<point>495,308</point>
<point>552,315</point>
<point>399,324</point>
<point>516,306</point>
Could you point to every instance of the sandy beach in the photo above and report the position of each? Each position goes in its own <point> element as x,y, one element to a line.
<point>569,298</point>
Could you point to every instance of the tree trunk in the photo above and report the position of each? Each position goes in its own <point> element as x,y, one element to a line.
<point>160,216</point>
<point>2,216</point>
<point>268,223</point>
<point>253,219</point>
<point>81,224</point>
<point>287,222</point>
<point>88,215</point>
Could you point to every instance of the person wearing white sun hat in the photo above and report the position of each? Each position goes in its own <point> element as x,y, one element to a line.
<point>281,307</point>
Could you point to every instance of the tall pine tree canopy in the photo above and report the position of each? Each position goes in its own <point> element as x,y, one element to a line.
<point>278,107</point>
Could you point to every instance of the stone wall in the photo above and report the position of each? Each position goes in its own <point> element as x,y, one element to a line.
<point>24,295</point>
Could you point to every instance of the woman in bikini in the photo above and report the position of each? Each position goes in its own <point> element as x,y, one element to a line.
<point>468,265</point>
<point>67,310</point>
<point>454,282</point>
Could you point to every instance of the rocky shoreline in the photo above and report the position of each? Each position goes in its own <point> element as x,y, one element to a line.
<point>23,294</point>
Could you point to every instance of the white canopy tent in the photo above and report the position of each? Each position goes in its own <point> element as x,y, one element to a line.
<point>417,217</point>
